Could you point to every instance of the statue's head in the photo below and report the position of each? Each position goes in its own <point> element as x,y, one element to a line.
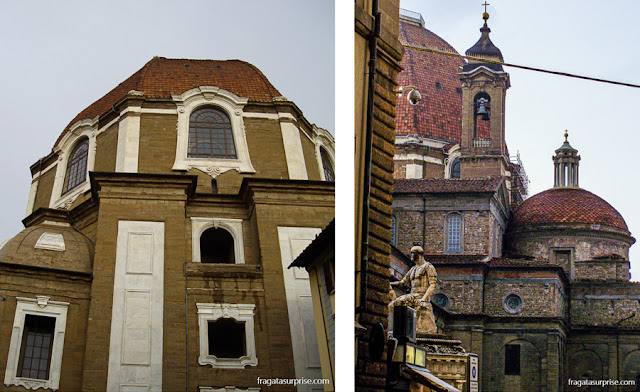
<point>416,252</point>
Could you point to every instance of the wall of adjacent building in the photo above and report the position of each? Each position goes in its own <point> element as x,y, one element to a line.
<point>371,292</point>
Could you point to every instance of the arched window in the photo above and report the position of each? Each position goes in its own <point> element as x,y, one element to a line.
<point>455,168</point>
<point>327,166</point>
<point>454,233</point>
<point>216,246</point>
<point>393,229</point>
<point>482,119</point>
<point>210,134</point>
<point>76,166</point>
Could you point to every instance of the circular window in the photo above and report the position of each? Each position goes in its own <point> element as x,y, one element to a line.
<point>441,300</point>
<point>512,303</point>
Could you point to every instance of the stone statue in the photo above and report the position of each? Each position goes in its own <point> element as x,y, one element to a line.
<point>423,280</point>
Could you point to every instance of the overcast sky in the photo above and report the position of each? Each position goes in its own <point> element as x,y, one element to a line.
<point>583,37</point>
<point>59,57</point>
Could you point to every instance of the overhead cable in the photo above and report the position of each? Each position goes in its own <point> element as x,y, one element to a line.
<point>523,67</point>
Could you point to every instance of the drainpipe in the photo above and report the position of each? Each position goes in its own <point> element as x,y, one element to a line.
<point>373,53</point>
<point>74,227</point>
<point>424,220</point>
<point>186,312</point>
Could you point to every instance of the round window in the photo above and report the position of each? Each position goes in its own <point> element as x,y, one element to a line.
<point>513,303</point>
<point>441,300</point>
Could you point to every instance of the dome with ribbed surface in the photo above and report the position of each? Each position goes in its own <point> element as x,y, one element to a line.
<point>566,205</point>
<point>162,77</point>
<point>439,114</point>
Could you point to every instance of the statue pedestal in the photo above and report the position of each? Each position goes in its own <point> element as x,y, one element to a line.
<point>445,358</point>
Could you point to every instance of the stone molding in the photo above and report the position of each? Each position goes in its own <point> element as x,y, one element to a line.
<point>50,241</point>
<point>81,129</point>
<point>233,106</point>
<point>239,312</point>
<point>233,226</point>
<point>323,140</point>
<point>40,306</point>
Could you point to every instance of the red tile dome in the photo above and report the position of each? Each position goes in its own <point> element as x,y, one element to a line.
<point>567,205</point>
<point>439,113</point>
<point>162,77</point>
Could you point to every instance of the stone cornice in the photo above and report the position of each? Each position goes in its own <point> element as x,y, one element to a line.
<point>290,192</point>
<point>46,214</point>
<point>46,272</point>
<point>569,230</point>
<point>151,185</point>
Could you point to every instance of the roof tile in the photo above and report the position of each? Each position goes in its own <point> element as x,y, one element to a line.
<point>439,114</point>
<point>161,77</point>
<point>446,185</point>
<point>567,205</point>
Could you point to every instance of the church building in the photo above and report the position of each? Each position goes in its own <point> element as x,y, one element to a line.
<point>157,238</point>
<point>537,286</point>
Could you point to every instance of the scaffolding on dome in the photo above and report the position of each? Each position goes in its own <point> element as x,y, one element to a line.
<point>411,16</point>
<point>519,178</point>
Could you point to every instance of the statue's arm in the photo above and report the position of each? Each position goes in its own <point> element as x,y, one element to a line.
<point>432,280</point>
<point>401,282</point>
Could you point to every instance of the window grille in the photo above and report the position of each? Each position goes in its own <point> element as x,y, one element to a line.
<point>393,229</point>
<point>210,134</point>
<point>327,166</point>
<point>76,167</point>
<point>455,168</point>
<point>454,233</point>
<point>37,341</point>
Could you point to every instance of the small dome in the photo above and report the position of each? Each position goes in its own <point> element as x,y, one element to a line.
<point>566,146</point>
<point>49,246</point>
<point>566,205</point>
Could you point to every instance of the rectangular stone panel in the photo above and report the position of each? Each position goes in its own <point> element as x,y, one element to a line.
<point>136,339</point>
<point>135,349</point>
<point>140,253</point>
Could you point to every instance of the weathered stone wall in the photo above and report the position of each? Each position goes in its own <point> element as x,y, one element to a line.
<point>372,273</point>
<point>429,228</point>
<point>464,292</point>
<point>310,157</point>
<point>543,294</point>
<point>74,289</point>
<point>429,169</point>
<point>481,168</point>
<point>602,355</point>
<point>262,286</point>
<point>45,187</point>
<point>587,246</point>
<point>614,305</point>
<point>602,270</point>
<point>157,151</point>
<point>540,364</point>
<point>106,149</point>
<point>266,148</point>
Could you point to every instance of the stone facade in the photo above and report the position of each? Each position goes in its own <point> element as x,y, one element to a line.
<point>538,287</point>
<point>377,53</point>
<point>135,195</point>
